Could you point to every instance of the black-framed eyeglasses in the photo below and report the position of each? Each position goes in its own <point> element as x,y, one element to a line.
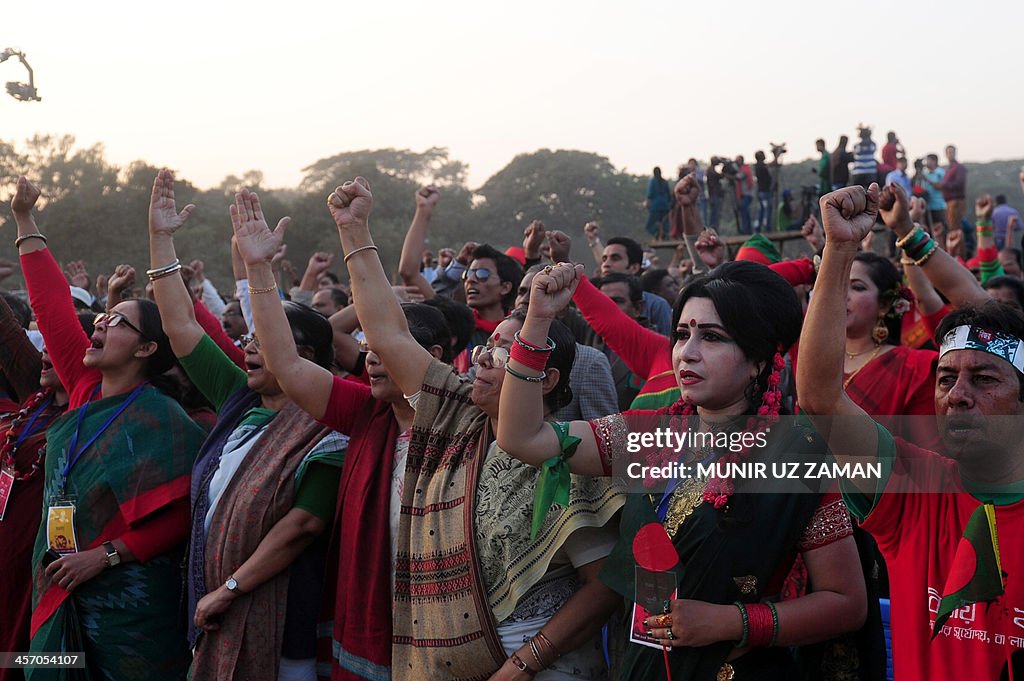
<point>112,319</point>
<point>479,273</point>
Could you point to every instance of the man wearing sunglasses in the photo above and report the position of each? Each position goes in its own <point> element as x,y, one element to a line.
<point>490,285</point>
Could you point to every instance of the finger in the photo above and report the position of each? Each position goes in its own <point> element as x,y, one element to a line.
<point>186,212</point>
<point>871,199</point>
<point>282,227</point>
<point>236,221</point>
<point>364,185</point>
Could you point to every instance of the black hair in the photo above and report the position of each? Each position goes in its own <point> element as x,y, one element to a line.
<point>933,157</point>
<point>561,358</point>
<point>1016,255</point>
<point>759,156</point>
<point>152,330</point>
<point>338,297</point>
<point>886,277</point>
<point>636,289</point>
<point>459,319</point>
<point>657,171</point>
<point>651,279</point>
<point>1000,199</point>
<point>429,328</point>
<point>991,316</point>
<point>758,309</point>
<point>1012,283</point>
<point>22,312</point>
<point>508,271</point>
<point>332,276</point>
<point>634,252</point>
<point>311,329</point>
<point>86,320</point>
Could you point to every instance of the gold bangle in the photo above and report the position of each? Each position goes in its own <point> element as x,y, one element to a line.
<point>34,235</point>
<point>361,248</point>
<point>256,291</point>
<point>900,243</point>
<point>924,258</point>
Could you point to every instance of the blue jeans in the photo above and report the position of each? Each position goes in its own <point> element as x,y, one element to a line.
<point>745,226</point>
<point>657,219</point>
<point>764,213</point>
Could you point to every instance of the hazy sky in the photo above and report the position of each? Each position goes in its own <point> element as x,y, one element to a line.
<point>210,90</point>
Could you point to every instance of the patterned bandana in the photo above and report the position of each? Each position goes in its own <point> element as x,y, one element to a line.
<point>1001,345</point>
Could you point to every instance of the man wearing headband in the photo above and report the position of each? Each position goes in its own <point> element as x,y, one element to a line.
<point>949,526</point>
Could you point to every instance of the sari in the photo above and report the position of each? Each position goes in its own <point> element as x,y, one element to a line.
<point>130,615</point>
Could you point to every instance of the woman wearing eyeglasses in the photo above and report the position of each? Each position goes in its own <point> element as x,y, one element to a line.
<point>115,492</point>
<point>263,485</point>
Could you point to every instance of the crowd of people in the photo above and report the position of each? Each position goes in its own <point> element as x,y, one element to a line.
<point>421,476</point>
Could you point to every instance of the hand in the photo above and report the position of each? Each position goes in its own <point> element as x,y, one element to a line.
<point>319,263</point>
<point>77,274</point>
<point>559,246</point>
<point>256,243</point>
<point>954,241</point>
<point>163,216</point>
<point>72,570</point>
<point>445,257</point>
<point>211,606</point>
<point>849,213</point>
<point>408,294</point>
<point>918,209</point>
<point>982,208</point>
<point>350,203</point>
<point>509,672</point>
<point>101,285</point>
<point>687,191</point>
<point>25,197</point>
<point>427,198</point>
<point>697,623</point>
<point>592,231</point>
<point>552,289</point>
<point>1011,225</point>
<point>279,255</point>
<point>465,256</point>
<point>534,237</point>
<point>197,269</point>
<point>710,248</point>
<point>122,278</point>
<point>288,268</point>
<point>894,205</point>
<point>813,234</point>
<point>7,268</point>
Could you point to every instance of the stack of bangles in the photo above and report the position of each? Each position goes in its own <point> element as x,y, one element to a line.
<point>760,624</point>
<point>530,356</point>
<point>539,644</point>
<point>165,271</point>
<point>918,246</point>
<point>985,229</point>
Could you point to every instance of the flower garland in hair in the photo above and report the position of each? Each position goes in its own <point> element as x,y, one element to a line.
<point>718,490</point>
<point>901,301</point>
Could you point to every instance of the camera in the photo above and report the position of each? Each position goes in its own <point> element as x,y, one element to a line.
<point>778,149</point>
<point>729,167</point>
<point>918,164</point>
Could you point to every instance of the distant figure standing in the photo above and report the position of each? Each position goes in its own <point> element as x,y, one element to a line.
<point>891,153</point>
<point>933,176</point>
<point>899,176</point>
<point>824,168</point>
<point>954,189</point>
<point>764,193</point>
<point>658,203</point>
<point>1001,215</point>
<point>715,195</point>
<point>865,167</point>
<point>744,195</point>
<point>840,164</point>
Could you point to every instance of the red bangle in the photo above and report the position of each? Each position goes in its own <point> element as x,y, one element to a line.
<point>762,625</point>
<point>535,360</point>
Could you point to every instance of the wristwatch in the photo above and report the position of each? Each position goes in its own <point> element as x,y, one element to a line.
<point>113,557</point>
<point>232,585</point>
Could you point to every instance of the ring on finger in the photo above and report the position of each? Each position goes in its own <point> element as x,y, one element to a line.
<point>670,634</point>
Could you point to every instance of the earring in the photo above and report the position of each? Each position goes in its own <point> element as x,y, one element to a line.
<point>880,332</point>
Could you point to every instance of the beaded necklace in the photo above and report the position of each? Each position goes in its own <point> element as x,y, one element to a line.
<point>23,424</point>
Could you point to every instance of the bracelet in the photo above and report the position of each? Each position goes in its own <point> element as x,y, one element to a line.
<point>535,650</point>
<point>547,641</point>
<point>524,377</point>
<point>761,627</point>
<point>775,623</point>
<point>746,625</point>
<point>33,235</point>
<point>521,666</point>
<point>920,248</point>
<point>535,360</point>
<point>166,273</point>
<point>256,291</point>
<point>530,346</point>
<point>361,248</point>
<point>174,266</point>
<point>924,258</point>
<point>983,222</point>
<point>901,243</point>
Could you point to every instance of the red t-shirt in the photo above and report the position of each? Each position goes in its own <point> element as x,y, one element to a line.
<point>918,534</point>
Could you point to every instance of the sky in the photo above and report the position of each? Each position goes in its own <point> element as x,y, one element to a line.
<point>211,90</point>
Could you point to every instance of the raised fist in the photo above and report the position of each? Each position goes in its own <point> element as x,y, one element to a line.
<point>25,196</point>
<point>427,198</point>
<point>849,213</point>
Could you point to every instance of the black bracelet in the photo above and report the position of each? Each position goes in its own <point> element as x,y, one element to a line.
<point>524,377</point>
<point>533,348</point>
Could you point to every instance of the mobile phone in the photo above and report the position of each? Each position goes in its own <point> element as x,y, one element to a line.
<point>50,556</point>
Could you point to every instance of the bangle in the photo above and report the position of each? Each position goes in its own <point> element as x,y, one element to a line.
<point>153,276</point>
<point>984,222</point>
<point>924,258</point>
<point>535,650</point>
<point>165,268</point>
<point>746,625</point>
<point>524,377</point>
<point>535,360</point>
<point>521,666</point>
<point>530,346</point>
<point>901,243</point>
<point>775,623</point>
<point>761,625</point>
<point>256,291</point>
<point>547,641</point>
<point>361,248</point>
<point>920,248</point>
<point>33,235</point>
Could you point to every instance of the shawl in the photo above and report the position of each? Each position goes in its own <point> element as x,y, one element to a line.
<point>360,554</point>
<point>443,627</point>
<point>248,643</point>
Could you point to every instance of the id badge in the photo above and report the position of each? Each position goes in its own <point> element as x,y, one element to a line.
<point>6,484</point>
<point>653,589</point>
<point>60,527</point>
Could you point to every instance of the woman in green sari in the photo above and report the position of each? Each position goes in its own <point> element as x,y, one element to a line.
<point>116,486</point>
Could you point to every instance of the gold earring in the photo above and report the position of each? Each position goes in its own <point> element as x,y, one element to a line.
<point>880,333</point>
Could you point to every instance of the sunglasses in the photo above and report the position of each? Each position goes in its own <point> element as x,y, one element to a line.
<point>112,319</point>
<point>245,340</point>
<point>498,356</point>
<point>478,273</point>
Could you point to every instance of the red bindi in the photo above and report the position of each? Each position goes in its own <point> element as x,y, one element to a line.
<point>693,323</point>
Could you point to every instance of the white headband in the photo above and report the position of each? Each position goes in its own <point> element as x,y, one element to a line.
<point>1001,345</point>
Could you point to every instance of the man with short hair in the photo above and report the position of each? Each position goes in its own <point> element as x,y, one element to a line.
<point>1001,217</point>
<point>327,301</point>
<point>824,169</point>
<point>744,195</point>
<point>622,254</point>
<point>899,176</point>
<point>954,189</point>
<point>933,175</point>
<point>865,167</point>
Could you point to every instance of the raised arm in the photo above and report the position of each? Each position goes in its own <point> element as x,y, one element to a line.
<point>521,428</point>
<point>174,301</point>
<point>20,362</point>
<point>947,275</point>
<point>380,315</point>
<point>307,384</point>
<point>928,300</point>
<point>848,215</point>
<point>416,241</point>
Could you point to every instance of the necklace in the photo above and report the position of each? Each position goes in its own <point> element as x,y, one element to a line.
<point>855,355</point>
<point>22,425</point>
<point>846,383</point>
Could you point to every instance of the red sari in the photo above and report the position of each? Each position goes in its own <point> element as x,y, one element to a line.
<point>900,382</point>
